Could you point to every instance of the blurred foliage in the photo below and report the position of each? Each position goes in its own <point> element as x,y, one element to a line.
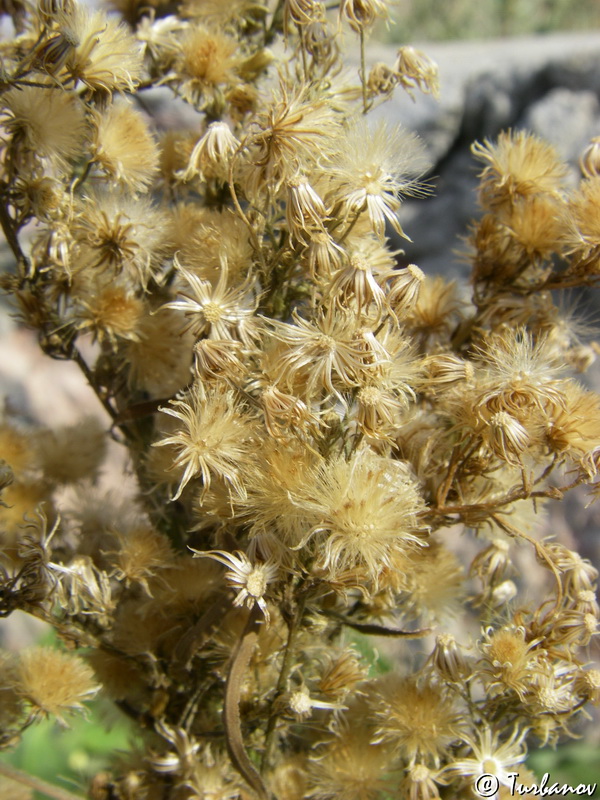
<point>70,757</point>
<point>418,20</point>
<point>573,763</point>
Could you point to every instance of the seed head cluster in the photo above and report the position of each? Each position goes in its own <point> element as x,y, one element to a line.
<point>204,219</point>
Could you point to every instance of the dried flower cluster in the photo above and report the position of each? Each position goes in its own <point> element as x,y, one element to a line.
<point>307,417</point>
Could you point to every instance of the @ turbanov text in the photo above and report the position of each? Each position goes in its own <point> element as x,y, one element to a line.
<point>487,785</point>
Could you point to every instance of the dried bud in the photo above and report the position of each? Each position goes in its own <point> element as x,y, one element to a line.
<point>342,674</point>
<point>320,42</point>
<point>448,659</point>
<point>305,210</point>
<point>491,564</point>
<point>414,69</point>
<point>215,358</point>
<point>404,289</point>
<point>48,9</point>
<point>420,783</point>
<point>445,370</point>
<point>503,594</point>
<point>589,163</point>
<point>382,79</point>
<point>581,357</point>
<point>508,437</point>
<point>362,14</point>
<point>212,154</point>
<point>302,12</point>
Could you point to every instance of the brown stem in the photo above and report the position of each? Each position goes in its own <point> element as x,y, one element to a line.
<point>7,223</point>
<point>231,707</point>
<point>284,674</point>
<point>89,375</point>
<point>39,785</point>
<point>552,493</point>
<point>539,549</point>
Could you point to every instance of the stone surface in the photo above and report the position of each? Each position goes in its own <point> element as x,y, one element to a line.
<point>546,84</point>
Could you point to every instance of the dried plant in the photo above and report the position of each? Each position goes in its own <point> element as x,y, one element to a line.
<point>198,188</point>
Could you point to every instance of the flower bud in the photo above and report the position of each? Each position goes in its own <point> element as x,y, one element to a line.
<point>448,659</point>
<point>362,14</point>
<point>589,163</point>
<point>416,70</point>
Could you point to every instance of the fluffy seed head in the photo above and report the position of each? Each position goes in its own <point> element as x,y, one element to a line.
<point>104,56</point>
<point>211,440</point>
<point>518,165</point>
<point>53,682</point>
<point>124,148</point>
<point>419,719</point>
<point>372,168</point>
<point>44,122</point>
<point>363,509</point>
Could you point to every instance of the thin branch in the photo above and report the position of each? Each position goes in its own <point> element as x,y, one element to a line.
<point>363,71</point>
<point>540,551</point>
<point>89,375</point>
<point>253,236</point>
<point>284,674</point>
<point>7,223</point>
<point>38,784</point>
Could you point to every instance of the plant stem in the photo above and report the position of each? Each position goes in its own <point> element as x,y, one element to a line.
<point>7,223</point>
<point>38,784</point>
<point>89,375</point>
<point>363,71</point>
<point>286,668</point>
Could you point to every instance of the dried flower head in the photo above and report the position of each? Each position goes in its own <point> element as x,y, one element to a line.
<point>490,756</point>
<point>350,766</point>
<point>372,168</point>
<point>43,123</point>
<point>142,552</point>
<point>219,312</point>
<point>206,62</point>
<point>121,234</point>
<point>158,355</point>
<point>53,682</point>
<point>510,660</point>
<point>589,162</point>
<point>72,453</point>
<point>320,355</point>
<point>418,718</point>
<point>212,154</point>
<point>212,438</point>
<point>289,135</point>
<point>363,509</point>
<point>519,165</point>
<point>249,579</point>
<point>362,14</point>
<point>124,148</point>
<point>102,54</point>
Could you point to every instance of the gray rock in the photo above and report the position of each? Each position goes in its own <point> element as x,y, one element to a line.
<point>565,118</point>
<point>547,84</point>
